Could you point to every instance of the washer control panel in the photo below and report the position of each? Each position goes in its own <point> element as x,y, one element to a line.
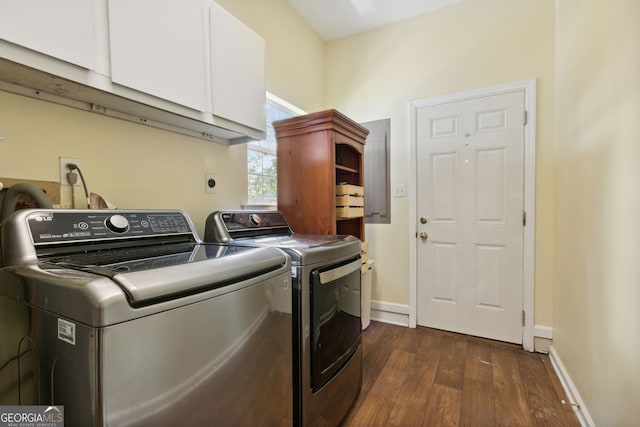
<point>57,226</point>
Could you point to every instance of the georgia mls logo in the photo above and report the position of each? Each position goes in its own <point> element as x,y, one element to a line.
<point>32,416</point>
<point>55,414</point>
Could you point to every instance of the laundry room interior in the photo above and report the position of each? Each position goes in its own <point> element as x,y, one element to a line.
<point>575,65</point>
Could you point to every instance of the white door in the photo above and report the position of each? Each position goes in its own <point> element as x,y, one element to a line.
<point>470,201</point>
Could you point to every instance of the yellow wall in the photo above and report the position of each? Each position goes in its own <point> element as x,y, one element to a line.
<point>466,46</point>
<point>135,166</point>
<point>597,275</point>
<point>131,165</point>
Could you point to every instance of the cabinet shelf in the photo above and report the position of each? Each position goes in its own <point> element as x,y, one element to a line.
<point>347,169</point>
<point>346,218</point>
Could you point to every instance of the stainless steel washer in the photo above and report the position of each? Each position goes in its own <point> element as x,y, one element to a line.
<point>127,319</point>
<point>326,274</point>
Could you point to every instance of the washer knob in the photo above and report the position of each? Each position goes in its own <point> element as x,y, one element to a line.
<point>117,223</point>
<point>255,219</point>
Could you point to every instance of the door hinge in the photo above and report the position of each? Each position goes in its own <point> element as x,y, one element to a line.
<point>524,218</point>
<point>525,118</point>
<point>522,317</point>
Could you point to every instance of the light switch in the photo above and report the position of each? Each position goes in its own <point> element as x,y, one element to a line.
<point>400,190</point>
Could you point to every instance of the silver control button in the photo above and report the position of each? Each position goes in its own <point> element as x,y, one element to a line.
<point>117,223</point>
<point>255,219</point>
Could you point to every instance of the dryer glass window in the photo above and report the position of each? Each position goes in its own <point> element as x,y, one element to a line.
<point>335,318</point>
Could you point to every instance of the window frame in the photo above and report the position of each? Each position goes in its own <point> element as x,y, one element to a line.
<point>282,105</point>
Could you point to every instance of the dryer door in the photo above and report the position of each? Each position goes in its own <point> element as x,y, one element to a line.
<point>335,318</point>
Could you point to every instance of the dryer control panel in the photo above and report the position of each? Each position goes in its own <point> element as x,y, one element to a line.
<point>225,226</point>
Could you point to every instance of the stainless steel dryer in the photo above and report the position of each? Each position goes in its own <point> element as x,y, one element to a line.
<point>127,319</point>
<point>326,309</point>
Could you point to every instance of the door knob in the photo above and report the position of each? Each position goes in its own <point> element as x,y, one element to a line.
<point>423,220</point>
<point>424,235</point>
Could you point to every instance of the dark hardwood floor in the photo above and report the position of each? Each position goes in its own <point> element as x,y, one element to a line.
<point>427,377</point>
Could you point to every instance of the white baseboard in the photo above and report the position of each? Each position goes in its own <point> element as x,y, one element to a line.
<point>398,314</point>
<point>542,331</point>
<point>390,312</point>
<point>569,388</point>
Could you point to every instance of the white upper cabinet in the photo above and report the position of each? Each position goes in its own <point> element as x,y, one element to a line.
<point>158,47</point>
<point>237,63</point>
<point>183,65</point>
<point>192,52</point>
<point>62,29</point>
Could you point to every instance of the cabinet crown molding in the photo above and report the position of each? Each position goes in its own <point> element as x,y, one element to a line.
<point>322,120</point>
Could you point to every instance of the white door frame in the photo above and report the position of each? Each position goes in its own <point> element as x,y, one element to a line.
<point>529,87</point>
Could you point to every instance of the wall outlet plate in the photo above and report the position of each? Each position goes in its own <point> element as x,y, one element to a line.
<point>210,183</point>
<point>400,190</point>
<point>63,170</point>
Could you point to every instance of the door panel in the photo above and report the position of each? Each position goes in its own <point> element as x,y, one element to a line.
<point>471,190</point>
<point>490,280</point>
<point>490,185</point>
<point>444,187</point>
<point>445,257</point>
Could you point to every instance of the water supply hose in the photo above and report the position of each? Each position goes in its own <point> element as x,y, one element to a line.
<point>13,194</point>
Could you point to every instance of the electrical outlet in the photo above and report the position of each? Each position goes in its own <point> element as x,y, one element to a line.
<point>210,183</point>
<point>64,161</point>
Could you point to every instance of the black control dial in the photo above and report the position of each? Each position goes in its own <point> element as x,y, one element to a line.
<point>117,223</point>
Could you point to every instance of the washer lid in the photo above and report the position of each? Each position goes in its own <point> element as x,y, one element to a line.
<point>270,229</point>
<point>308,248</point>
<point>147,276</point>
<point>102,295</point>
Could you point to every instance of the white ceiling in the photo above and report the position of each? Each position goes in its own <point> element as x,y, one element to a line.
<point>336,19</point>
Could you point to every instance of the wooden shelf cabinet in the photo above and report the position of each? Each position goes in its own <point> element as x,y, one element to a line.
<point>316,152</point>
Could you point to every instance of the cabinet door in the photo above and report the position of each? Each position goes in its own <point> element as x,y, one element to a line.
<point>63,29</point>
<point>159,47</point>
<point>237,66</point>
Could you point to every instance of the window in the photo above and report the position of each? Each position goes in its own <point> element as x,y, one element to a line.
<point>261,155</point>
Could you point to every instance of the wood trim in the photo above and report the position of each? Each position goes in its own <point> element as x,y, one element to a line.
<point>321,120</point>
